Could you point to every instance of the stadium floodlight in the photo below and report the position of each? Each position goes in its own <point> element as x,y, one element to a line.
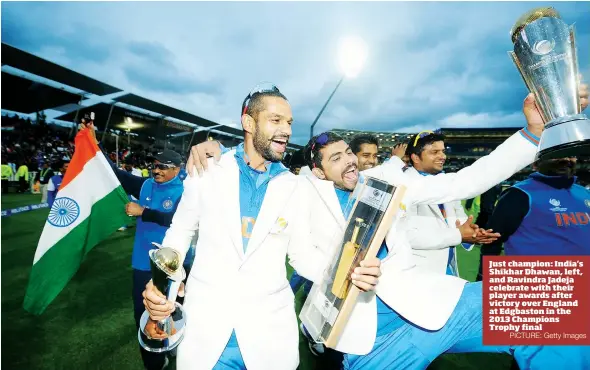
<point>352,55</point>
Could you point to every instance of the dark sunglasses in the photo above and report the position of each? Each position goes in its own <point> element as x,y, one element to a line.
<point>259,89</point>
<point>163,166</point>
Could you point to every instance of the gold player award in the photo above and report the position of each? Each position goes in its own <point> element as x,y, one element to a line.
<point>342,281</point>
<point>330,301</point>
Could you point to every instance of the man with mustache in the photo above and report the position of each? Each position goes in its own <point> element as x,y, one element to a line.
<point>546,214</point>
<point>158,198</point>
<point>417,315</point>
<point>435,229</point>
<point>366,148</point>
<point>251,215</point>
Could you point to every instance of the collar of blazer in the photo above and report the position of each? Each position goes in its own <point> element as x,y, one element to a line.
<point>280,189</point>
<point>327,194</point>
<point>411,171</point>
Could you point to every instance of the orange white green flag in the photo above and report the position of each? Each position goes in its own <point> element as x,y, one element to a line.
<point>89,206</point>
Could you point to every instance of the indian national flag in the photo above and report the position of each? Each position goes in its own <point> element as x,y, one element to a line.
<point>90,205</point>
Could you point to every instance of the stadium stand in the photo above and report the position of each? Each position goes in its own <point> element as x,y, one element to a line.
<point>46,99</point>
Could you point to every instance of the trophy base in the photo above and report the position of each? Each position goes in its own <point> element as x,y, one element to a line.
<point>166,344</point>
<point>565,137</point>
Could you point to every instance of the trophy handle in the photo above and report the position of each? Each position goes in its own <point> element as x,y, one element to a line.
<point>526,81</point>
<point>574,50</point>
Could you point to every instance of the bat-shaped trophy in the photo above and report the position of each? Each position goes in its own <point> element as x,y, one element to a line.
<point>167,275</point>
<point>330,301</point>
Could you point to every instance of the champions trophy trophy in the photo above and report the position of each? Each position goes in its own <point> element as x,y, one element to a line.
<point>167,275</point>
<point>545,54</point>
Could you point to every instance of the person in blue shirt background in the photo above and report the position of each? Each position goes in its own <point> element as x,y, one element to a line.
<point>55,182</point>
<point>546,214</point>
<point>158,199</point>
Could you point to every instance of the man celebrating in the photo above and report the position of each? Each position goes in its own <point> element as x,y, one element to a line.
<point>416,315</point>
<point>251,214</point>
<point>366,148</point>
<point>435,229</point>
<point>158,199</point>
<point>546,214</point>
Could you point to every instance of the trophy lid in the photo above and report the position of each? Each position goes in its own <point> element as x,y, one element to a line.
<point>531,16</point>
<point>167,259</point>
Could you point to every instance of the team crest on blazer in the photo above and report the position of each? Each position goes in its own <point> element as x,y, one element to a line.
<point>279,226</point>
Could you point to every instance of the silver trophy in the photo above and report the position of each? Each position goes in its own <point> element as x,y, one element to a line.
<point>545,54</point>
<point>167,274</point>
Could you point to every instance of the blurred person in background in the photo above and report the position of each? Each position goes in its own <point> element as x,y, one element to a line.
<point>546,214</point>
<point>45,174</point>
<point>55,181</point>
<point>366,148</point>
<point>158,199</point>
<point>6,175</point>
<point>22,175</point>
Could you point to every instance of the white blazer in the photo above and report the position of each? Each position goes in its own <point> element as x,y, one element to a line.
<point>228,289</point>
<point>430,236</point>
<point>427,299</point>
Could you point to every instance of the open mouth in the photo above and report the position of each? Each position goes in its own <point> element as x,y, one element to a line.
<point>279,145</point>
<point>351,175</point>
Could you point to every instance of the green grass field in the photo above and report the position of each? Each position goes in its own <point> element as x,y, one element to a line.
<point>90,324</point>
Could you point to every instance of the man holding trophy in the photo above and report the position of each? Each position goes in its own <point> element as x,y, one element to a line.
<point>414,315</point>
<point>251,214</point>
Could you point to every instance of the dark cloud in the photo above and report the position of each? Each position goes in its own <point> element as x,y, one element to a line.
<point>428,62</point>
<point>153,52</point>
<point>169,80</point>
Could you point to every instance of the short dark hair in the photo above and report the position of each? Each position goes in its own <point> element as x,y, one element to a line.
<point>312,153</point>
<point>254,102</point>
<point>360,139</point>
<point>421,143</point>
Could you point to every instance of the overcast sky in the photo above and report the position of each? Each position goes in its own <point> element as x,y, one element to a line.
<point>430,65</point>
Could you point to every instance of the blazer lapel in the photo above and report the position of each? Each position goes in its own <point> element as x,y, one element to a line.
<point>276,198</point>
<point>433,207</point>
<point>326,192</point>
<point>230,200</point>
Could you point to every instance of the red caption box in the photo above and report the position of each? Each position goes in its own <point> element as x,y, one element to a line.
<point>536,300</point>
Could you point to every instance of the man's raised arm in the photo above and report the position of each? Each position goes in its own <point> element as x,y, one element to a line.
<point>511,156</point>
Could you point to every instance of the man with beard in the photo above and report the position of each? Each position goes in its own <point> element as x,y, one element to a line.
<point>158,199</point>
<point>546,214</point>
<point>251,215</point>
<point>416,315</point>
<point>435,229</point>
<point>366,148</point>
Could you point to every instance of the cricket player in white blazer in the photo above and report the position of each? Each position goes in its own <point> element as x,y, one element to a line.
<point>251,214</point>
<point>415,314</point>
<point>435,230</point>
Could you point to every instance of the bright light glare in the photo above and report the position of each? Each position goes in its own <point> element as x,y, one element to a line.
<point>352,55</point>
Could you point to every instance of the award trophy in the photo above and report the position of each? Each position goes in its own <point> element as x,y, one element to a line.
<point>330,301</point>
<point>167,274</point>
<point>545,55</point>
